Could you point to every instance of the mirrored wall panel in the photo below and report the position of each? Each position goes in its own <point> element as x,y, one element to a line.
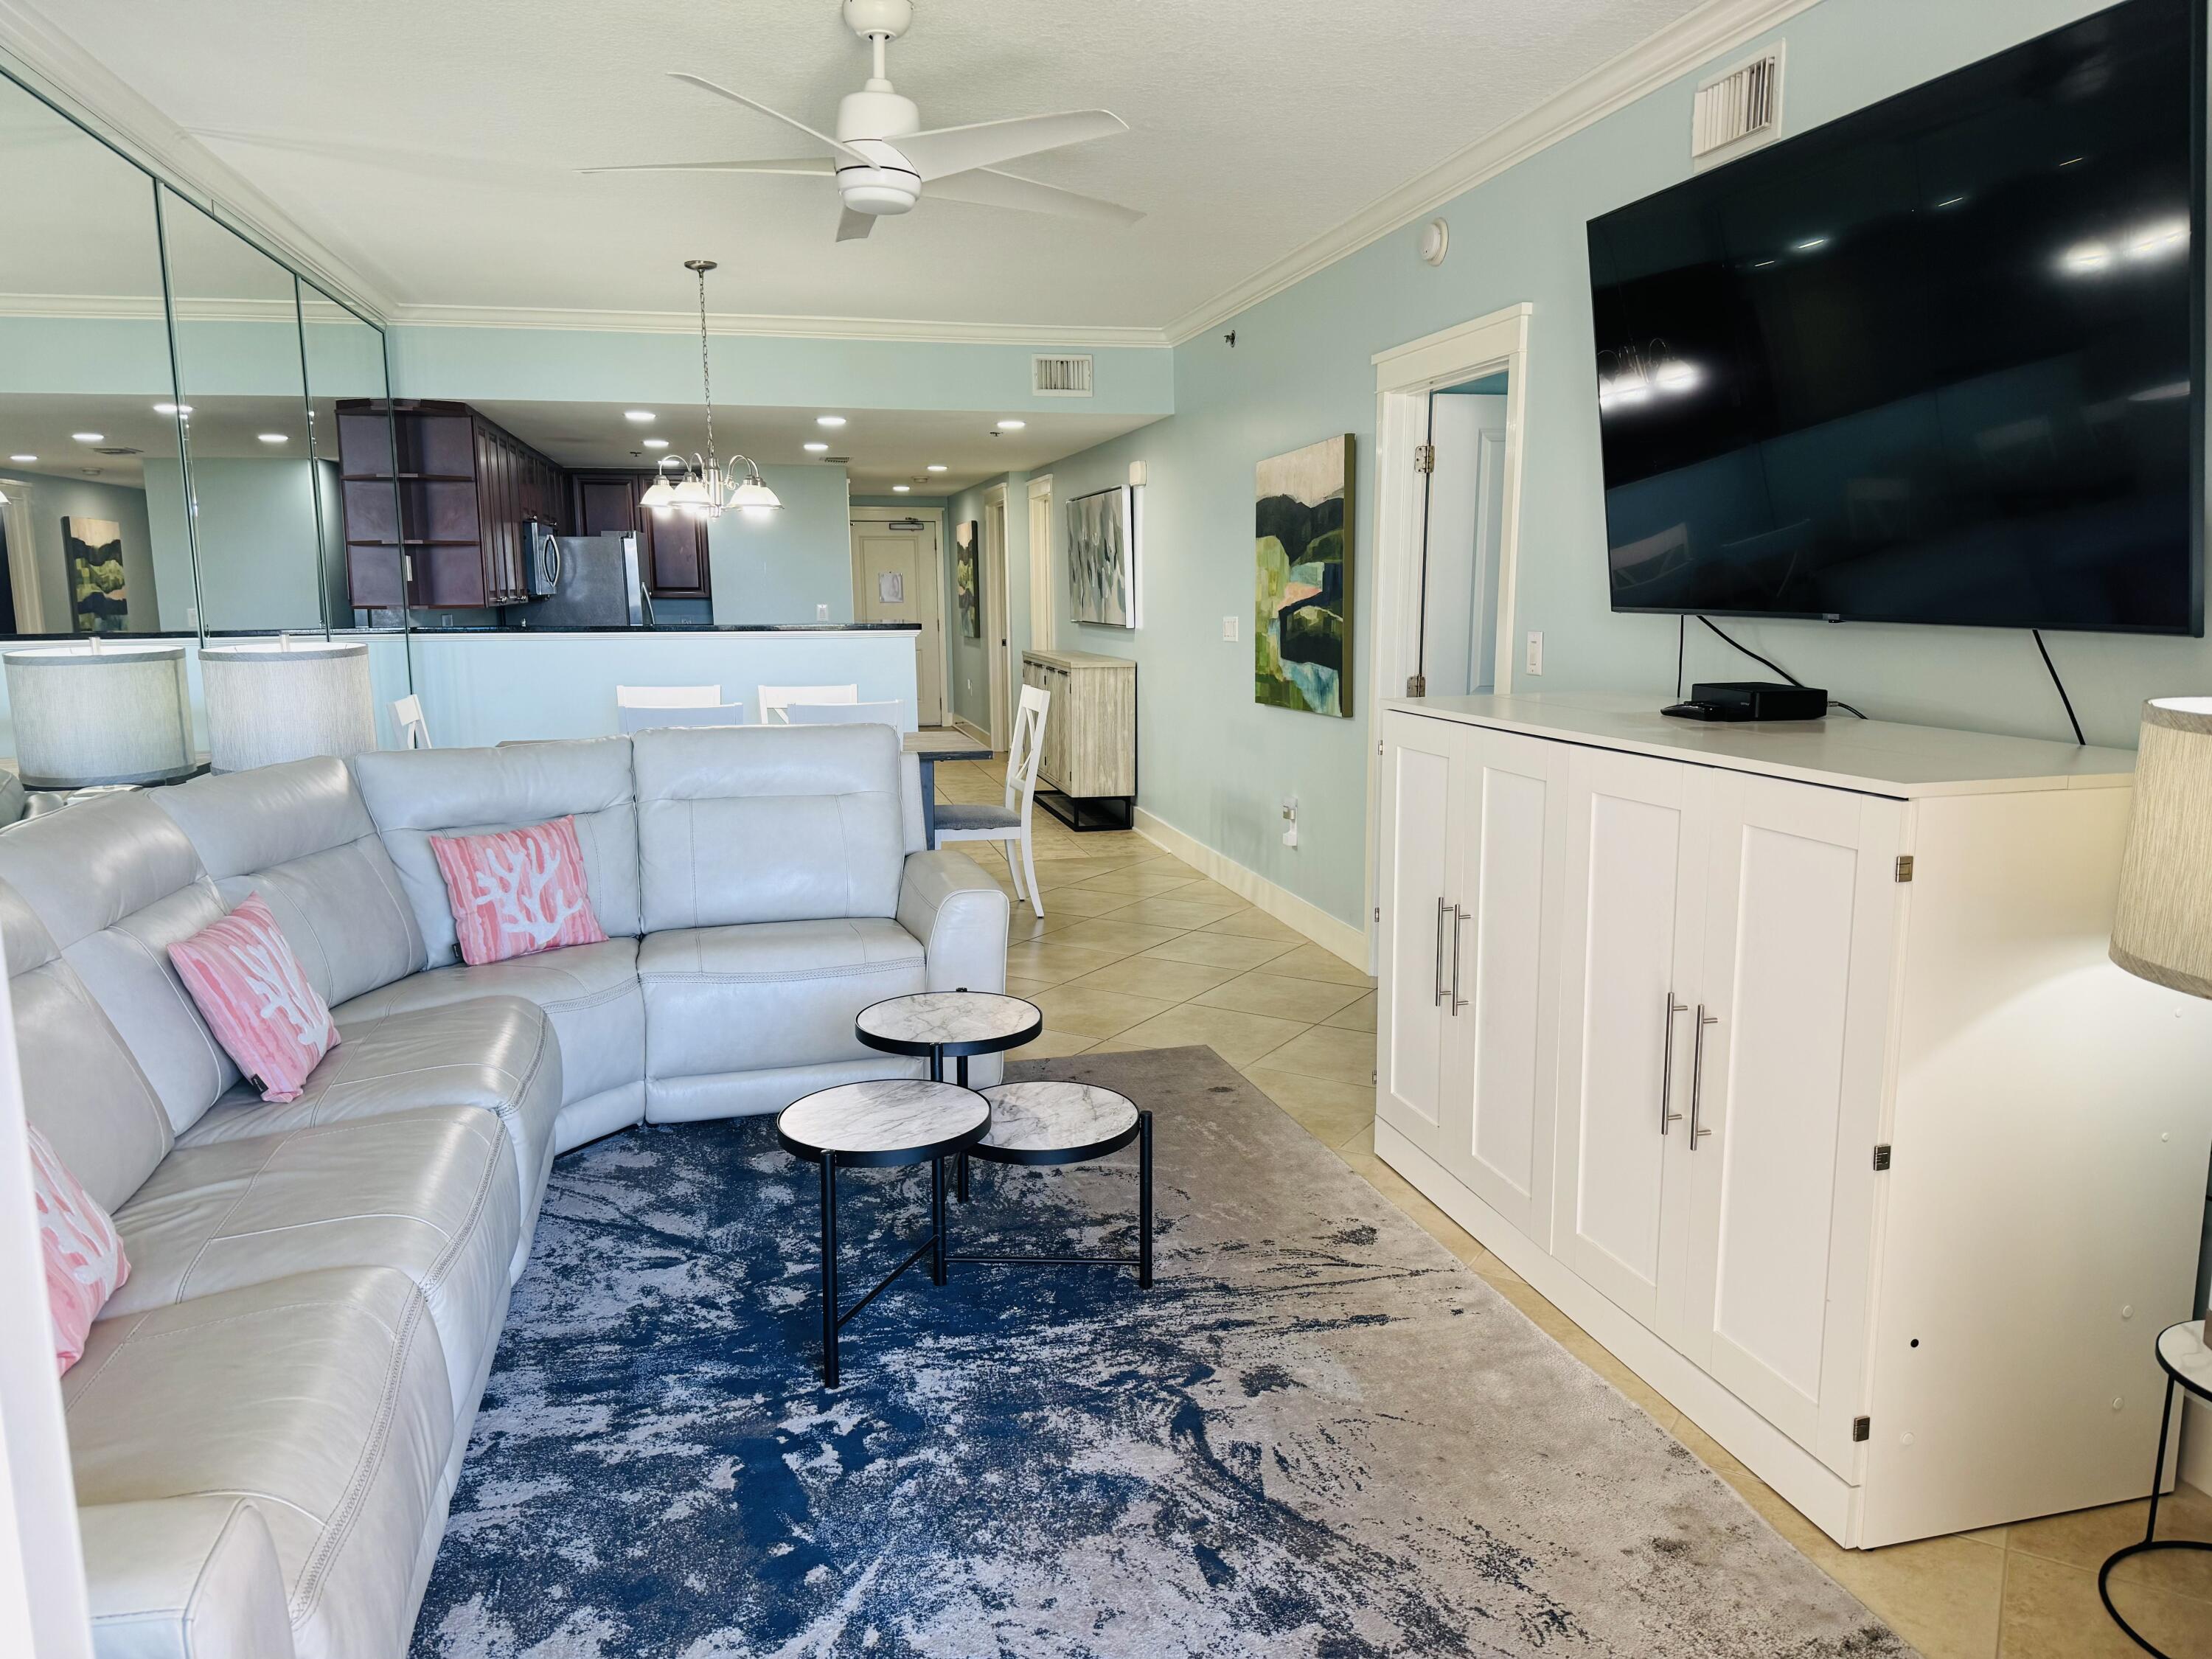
<point>92,523</point>
<point>345,393</point>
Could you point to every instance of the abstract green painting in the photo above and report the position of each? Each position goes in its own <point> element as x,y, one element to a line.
<point>1302,628</point>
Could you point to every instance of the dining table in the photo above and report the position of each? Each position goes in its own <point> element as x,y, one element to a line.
<point>929,745</point>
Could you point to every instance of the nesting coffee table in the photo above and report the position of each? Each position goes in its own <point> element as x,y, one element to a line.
<point>899,1121</point>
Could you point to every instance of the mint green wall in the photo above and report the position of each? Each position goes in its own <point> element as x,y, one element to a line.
<point>779,567</point>
<point>585,365</point>
<point>259,566</point>
<point>1215,765</point>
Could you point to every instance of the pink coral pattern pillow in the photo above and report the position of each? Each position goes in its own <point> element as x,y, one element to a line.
<point>256,998</point>
<point>85,1263</point>
<point>516,892</point>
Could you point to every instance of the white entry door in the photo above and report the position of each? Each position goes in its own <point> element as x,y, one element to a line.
<point>896,578</point>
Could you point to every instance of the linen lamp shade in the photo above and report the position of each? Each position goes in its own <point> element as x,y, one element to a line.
<point>98,713</point>
<point>2162,928</point>
<point>271,703</point>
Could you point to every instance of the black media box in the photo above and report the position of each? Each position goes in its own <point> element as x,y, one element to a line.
<point>1750,700</point>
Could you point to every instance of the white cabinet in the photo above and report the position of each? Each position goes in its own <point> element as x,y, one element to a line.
<point>1877,1168</point>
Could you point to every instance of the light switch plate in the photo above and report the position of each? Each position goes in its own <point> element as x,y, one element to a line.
<point>1229,627</point>
<point>1535,651</point>
<point>822,613</point>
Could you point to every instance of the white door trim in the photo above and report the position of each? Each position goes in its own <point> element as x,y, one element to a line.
<point>1405,375</point>
<point>1044,627</point>
<point>935,565</point>
<point>996,596</point>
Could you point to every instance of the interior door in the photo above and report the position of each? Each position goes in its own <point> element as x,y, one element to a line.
<point>894,579</point>
<point>1419,923</point>
<point>1634,878</point>
<point>1509,814</point>
<point>1801,918</point>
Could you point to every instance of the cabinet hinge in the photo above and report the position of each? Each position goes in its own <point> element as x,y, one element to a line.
<point>1417,685</point>
<point>1905,866</point>
<point>1425,458</point>
<point>1881,1155</point>
<point>1862,1428</point>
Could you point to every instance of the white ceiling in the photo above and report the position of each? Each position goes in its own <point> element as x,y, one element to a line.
<point>433,146</point>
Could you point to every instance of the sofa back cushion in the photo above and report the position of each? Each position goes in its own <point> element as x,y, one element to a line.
<point>116,883</point>
<point>298,836</point>
<point>413,793</point>
<point>82,1089</point>
<point>768,824</point>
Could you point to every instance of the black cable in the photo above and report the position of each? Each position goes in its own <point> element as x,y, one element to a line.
<point>1833,703</point>
<point>2070,719</point>
<point>1681,644</point>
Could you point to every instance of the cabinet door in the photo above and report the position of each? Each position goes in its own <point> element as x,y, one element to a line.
<point>1801,917</point>
<point>1509,813</point>
<point>1418,921</point>
<point>1634,879</point>
<point>605,504</point>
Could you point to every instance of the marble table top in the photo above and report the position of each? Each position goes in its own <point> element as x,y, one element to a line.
<point>887,1115</point>
<point>1048,1116</point>
<point>2180,1347</point>
<point>934,1016</point>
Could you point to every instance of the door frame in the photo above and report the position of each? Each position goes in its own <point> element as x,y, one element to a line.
<point>997,615</point>
<point>929,512</point>
<point>1044,630</point>
<point>1405,376</point>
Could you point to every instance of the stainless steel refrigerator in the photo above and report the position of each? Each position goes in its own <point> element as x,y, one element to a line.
<point>585,581</point>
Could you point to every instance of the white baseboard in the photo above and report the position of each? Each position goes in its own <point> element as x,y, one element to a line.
<point>2197,1444</point>
<point>960,724</point>
<point>1309,919</point>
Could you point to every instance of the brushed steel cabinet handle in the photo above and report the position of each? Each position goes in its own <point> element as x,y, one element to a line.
<point>1440,954</point>
<point>1667,1065</point>
<point>1459,919</point>
<point>1698,1075</point>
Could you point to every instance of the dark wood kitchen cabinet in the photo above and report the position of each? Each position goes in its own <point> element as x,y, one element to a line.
<point>672,546</point>
<point>435,499</point>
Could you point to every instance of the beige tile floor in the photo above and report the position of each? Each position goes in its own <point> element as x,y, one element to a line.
<point>1137,949</point>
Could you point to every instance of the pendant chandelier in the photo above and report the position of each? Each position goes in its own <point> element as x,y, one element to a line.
<point>703,486</point>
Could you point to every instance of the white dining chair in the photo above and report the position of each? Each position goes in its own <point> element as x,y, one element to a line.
<point>844,713</point>
<point>775,701</point>
<point>1010,824</point>
<point>413,729</point>
<point>642,707</point>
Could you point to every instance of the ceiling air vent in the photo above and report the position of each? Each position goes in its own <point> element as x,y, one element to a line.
<point>1060,377</point>
<point>1738,110</point>
<point>118,449</point>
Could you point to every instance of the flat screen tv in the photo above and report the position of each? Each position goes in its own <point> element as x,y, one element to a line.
<point>1938,361</point>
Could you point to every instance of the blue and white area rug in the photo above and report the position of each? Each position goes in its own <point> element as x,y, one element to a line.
<point>1319,1436</point>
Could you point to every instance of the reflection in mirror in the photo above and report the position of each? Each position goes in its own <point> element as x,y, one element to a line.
<point>88,427</point>
<point>250,466</point>
<point>346,387</point>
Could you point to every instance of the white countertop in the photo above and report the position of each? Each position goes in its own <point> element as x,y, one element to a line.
<point>1879,757</point>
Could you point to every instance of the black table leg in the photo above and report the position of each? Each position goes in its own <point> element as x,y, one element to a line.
<point>2150,1539</point>
<point>1143,1200</point>
<point>830,1269</point>
<point>929,805</point>
<point>936,1221</point>
<point>937,1062</point>
<point>960,1184</point>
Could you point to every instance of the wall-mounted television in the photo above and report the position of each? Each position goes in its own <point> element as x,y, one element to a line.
<point>1937,361</point>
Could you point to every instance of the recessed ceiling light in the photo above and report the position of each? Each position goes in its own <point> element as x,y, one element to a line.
<point>937,467</point>
<point>643,417</point>
<point>1011,426</point>
<point>23,460</point>
<point>274,438</point>
<point>89,437</point>
<point>1809,244</point>
<point>172,408</point>
<point>901,489</point>
<point>816,449</point>
<point>656,443</point>
<point>830,420</point>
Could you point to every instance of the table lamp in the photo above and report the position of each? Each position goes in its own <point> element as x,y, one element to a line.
<point>99,714</point>
<point>2163,926</point>
<point>273,700</point>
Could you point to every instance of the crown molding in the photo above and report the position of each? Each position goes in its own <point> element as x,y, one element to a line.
<point>1691,41</point>
<point>1044,334</point>
<point>54,65</point>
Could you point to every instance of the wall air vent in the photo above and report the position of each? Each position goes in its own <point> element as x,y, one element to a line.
<point>1060,377</point>
<point>1737,110</point>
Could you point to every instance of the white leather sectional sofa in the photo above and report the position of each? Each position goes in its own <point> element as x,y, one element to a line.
<point>271,1414</point>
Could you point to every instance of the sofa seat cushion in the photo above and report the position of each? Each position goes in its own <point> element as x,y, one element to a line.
<point>321,1399</point>
<point>496,1053</point>
<point>589,991</point>
<point>757,995</point>
<point>431,1192</point>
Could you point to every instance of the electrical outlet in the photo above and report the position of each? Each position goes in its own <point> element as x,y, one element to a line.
<point>822,613</point>
<point>1290,820</point>
<point>1228,628</point>
<point>1535,651</point>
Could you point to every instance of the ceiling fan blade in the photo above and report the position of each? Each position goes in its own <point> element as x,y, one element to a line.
<point>989,187</point>
<point>807,166</point>
<point>946,150</point>
<point>855,226</point>
<point>790,121</point>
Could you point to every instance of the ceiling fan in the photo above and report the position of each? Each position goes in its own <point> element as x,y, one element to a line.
<point>881,157</point>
